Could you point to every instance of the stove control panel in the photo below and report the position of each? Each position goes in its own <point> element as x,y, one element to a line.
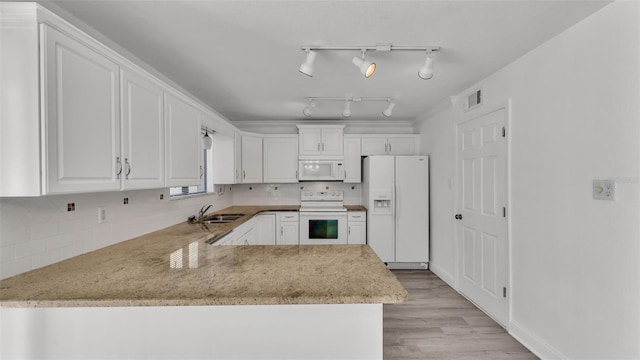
<point>330,195</point>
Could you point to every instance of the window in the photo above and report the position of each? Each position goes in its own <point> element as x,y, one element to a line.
<point>205,186</point>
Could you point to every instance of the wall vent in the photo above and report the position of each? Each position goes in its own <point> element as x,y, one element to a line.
<point>473,100</point>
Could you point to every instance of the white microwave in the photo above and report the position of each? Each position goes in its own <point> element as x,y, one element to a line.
<point>320,170</point>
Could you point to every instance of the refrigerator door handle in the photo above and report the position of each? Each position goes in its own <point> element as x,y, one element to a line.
<point>396,198</point>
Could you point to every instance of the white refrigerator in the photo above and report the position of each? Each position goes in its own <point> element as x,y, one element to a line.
<point>395,191</point>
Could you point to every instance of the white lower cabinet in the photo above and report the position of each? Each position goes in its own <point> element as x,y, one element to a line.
<point>266,229</point>
<point>287,228</point>
<point>357,225</point>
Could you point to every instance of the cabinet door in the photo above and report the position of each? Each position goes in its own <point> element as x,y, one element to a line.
<point>374,146</point>
<point>280,160</point>
<point>332,141</point>
<point>267,226</point>
<point>82,102</point>
<point>142,135</point>
<point>182,139</point>
<point>251,159</point>
<point>223,160</point>
<point>357,233</point>
<point>288,233</point>
<point>237,155</point>
<point>352,160</point>
<point>310,141</point>
<point>401,146</point>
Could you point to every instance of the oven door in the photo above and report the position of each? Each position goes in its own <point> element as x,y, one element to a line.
<point>323,228</point>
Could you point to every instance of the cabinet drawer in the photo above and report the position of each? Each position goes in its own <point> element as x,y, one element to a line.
<point>357,216</point>
<point>288,216</point>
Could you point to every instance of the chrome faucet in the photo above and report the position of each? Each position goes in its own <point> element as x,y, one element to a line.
<point>203,210</point>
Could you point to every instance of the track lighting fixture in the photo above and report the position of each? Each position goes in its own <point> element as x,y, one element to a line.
<point>308,111</point>
<point>347,104</point>
<point>367,68</point>
<point>307,67</point>
<point>426,71</point>
<point>347,109</point>
<point>389,110</point>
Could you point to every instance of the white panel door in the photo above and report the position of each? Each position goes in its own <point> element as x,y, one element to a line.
<point>82,116</point>
<point>280,160</point>
<point>482,230</point>
<point>251,159</point>
<point>142,132</point>
<point>412,209</point>
<point>183,150</point>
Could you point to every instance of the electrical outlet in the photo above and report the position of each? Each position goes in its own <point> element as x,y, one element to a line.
<point>126,201</point>
<point>71,207</point>
<point>604,189</point>
<point>102,215</point>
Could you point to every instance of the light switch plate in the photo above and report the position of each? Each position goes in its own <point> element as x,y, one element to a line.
<point>604,189</point>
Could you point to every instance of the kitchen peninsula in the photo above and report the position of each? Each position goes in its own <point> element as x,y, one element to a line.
<point>170,294</point>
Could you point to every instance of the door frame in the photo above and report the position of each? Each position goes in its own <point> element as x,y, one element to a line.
<point>466,117</point>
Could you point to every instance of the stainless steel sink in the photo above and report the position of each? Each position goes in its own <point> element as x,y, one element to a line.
<point>223,218</point>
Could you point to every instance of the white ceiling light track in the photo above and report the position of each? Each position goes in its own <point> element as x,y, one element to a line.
<point>308,110</point>
<point>367,68</point>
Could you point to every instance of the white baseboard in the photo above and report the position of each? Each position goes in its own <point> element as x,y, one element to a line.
<point>443,274</point>
<point>532,342</point>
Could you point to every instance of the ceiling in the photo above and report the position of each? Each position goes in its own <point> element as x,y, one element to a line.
<point>242,57</point>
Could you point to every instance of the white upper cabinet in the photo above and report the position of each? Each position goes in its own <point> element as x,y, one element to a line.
<point>223,153</point>
<point>389,145</point>
<point>183,144</point>
<point>320,141</point>
<point>142,132</point>
<point>352,160</point>
<point>82,110</point>
<point>237,156</point>
<point>251,159</point>
<point>280,159</point>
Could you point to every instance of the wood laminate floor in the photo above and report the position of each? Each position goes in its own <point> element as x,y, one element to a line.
<point>438,323</point>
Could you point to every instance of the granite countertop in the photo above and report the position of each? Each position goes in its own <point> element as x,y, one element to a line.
<point>177,267</point>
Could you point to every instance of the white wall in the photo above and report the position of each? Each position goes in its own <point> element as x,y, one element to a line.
<point>437,140</point>
<point>35,232</point>
<point>575,288</point>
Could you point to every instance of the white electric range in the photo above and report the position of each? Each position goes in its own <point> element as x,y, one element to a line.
<point>323,218</point>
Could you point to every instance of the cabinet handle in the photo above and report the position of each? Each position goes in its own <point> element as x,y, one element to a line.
<point>120,168</point>
<point>322,146</point>
<point>385,147</point>
<point>244,174</point>
<point>237,174</point>
<point>318,146</point>
<point>128,166</point>
<point>356,216</point>
<point>281,231</point>
<point>389,147</point>
<point>349,231</point>
<point>296,174</point>
<point>201,171</point>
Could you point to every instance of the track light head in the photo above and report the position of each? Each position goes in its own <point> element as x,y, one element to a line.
<point>308,111</point>
<point>307,66</point>
<point>426,71</point>
<point>347,109</point>
<point>389,110</point>
<point>367,68</point>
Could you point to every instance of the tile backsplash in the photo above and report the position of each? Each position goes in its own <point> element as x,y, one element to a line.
<point>289,194</point>
<point>38,231</point>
